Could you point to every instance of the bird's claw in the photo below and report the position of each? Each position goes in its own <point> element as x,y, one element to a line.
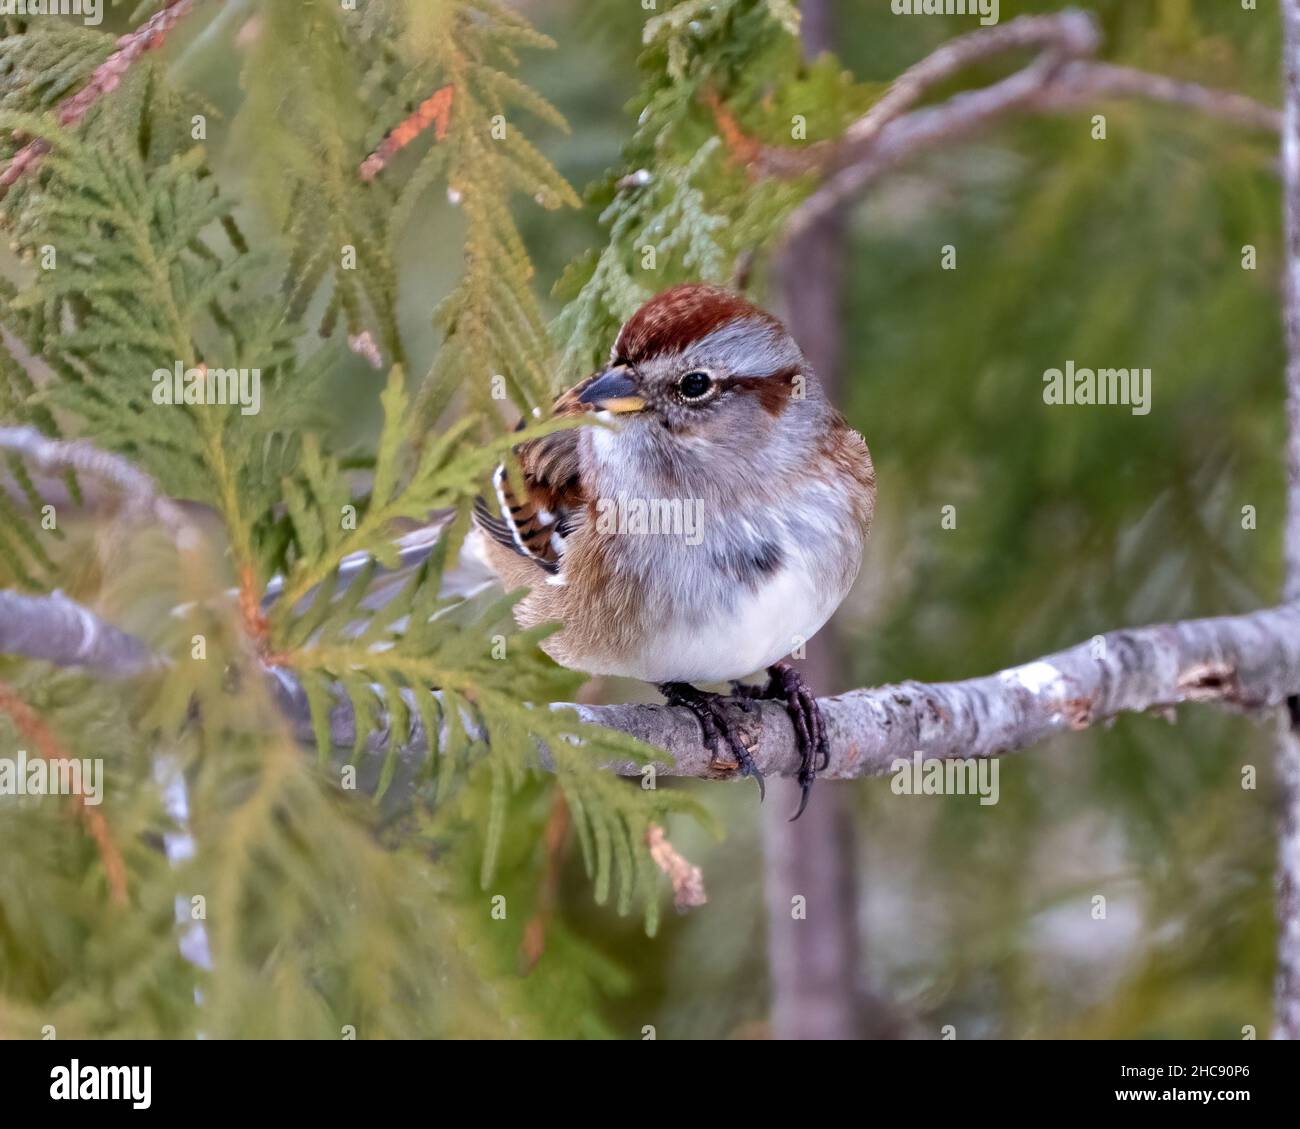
<point>710,711</point>
<point>786,684</point>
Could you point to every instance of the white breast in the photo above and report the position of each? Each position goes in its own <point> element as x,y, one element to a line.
<point>763,627</point>
<point>704,618</point>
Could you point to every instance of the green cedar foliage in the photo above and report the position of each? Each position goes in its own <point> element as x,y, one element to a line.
<point>322,911</point>
<point>140,243</point>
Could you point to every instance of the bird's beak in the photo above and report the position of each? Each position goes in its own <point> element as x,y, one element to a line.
<point>613,391</point>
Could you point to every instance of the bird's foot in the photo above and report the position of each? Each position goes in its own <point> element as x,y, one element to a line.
<point>784,684</point>
<point>711,712</point>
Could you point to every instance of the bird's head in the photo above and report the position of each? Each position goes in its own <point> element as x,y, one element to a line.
<point>701,363</point>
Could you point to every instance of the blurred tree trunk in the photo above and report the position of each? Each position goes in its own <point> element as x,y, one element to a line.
<point>1286,1022</point>
<point>816,963</point>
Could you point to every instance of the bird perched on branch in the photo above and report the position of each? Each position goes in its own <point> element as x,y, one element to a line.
<point>707,525</point>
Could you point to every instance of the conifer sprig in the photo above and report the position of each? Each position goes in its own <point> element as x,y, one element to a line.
<point>678,210</point>
<point>303,126</point>
<point>135,262</point>
<point>494,341</point>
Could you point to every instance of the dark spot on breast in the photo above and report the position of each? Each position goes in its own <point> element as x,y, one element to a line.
<point>751,562</point>
<point>766,559</point>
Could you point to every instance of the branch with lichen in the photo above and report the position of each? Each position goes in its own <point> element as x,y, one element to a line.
<point>1248,663</point>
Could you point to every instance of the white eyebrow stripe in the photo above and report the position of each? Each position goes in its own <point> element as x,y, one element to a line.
<point>746,345</point>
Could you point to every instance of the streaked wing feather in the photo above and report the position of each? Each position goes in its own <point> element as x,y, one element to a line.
<point>534,522</point>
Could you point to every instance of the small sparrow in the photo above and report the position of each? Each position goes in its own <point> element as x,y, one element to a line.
<point>708,525</point>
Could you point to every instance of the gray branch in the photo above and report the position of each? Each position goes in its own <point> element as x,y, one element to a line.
<point>1081,84</point>
<point>58,630</point>
<point>140,496</point>
<point>1061,77</point>
<point>1245,663</point>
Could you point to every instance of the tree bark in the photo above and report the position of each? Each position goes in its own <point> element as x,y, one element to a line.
<point>1244,663</point>
<point>1287,990</point>
<point>58,630</point>
<point>815,962</point>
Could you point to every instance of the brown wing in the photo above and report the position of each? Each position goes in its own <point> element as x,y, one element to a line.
<point>535,521</point>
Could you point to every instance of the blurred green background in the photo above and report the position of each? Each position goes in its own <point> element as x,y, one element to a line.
<point>1123,252</point>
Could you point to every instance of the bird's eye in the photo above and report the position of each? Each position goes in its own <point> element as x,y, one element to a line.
<point>695,385</point>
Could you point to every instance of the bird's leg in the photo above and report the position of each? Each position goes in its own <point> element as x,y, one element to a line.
<point>784,684</point>
<point>711,712</point>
